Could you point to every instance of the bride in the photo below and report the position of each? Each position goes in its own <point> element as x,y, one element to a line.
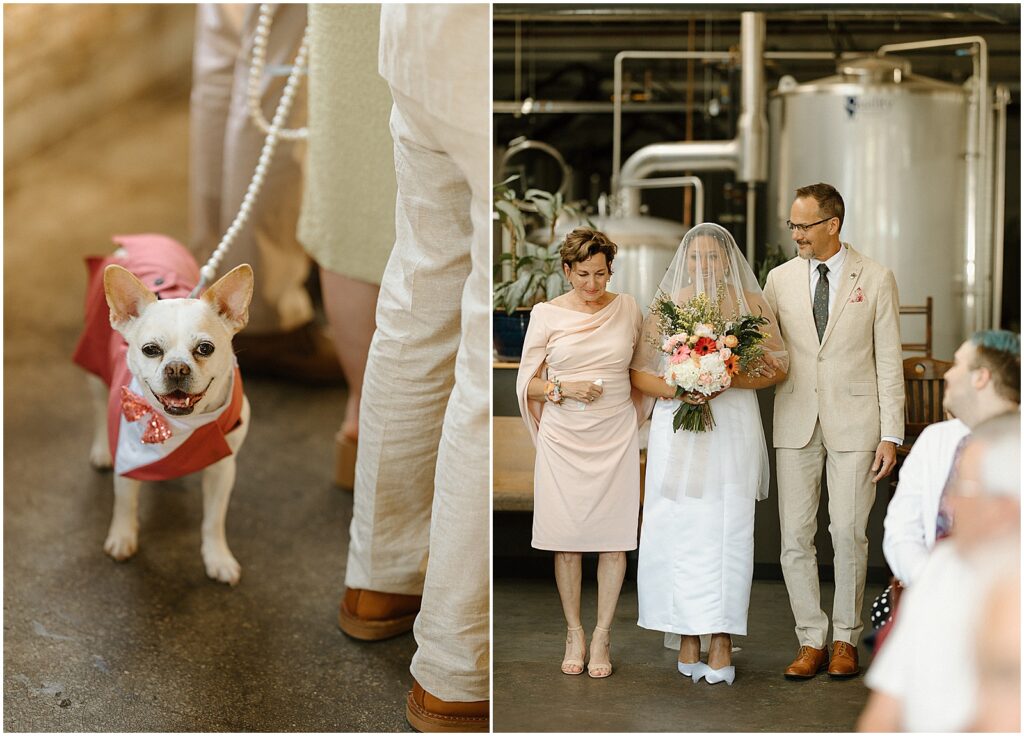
<point>697,540</point>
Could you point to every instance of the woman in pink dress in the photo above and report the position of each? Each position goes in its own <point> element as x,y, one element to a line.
<point>575,397</point>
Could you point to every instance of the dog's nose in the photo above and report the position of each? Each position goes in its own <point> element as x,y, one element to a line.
<point>177,369</point>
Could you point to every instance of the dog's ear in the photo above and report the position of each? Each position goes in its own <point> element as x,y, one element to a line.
<point>230,296</point>
<point>126,296</point>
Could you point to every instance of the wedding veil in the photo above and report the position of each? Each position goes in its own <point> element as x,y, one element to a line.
<point>708,261</point>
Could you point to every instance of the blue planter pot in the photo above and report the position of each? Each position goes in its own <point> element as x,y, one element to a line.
<point>509,333</point>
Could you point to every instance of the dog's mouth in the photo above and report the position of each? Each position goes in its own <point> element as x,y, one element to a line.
<point>179,403</point>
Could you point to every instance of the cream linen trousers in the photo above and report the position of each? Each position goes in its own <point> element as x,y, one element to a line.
<point>420,516</point>
<point>224,146</point>
<point>850,497</point>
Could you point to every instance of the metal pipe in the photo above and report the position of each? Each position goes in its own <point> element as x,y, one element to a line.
<point>664,157</point>
<point>747,154</point>
<point>674,181</point>
<point>975,260</point>
<point>1002,100</point>
<point>617,92</point>
<point>751,210</point>
<point>752,126</point>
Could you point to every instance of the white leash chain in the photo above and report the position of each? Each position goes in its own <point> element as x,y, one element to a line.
<point>274,131</point>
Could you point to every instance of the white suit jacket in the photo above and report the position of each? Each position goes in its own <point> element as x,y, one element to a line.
<point>852,382</point>
<point>910,518</point>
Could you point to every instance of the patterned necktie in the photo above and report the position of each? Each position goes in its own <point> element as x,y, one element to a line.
<point>944,521</point>
<point>821,301</point>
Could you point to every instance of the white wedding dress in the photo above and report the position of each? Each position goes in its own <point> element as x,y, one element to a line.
<point>696,555</point>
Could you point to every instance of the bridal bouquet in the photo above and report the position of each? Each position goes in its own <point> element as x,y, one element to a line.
<point>704,352</point>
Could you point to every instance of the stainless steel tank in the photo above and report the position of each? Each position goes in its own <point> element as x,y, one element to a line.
<point>894,145</point>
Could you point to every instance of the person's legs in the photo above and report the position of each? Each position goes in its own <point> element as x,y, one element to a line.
<point>850,497</point>
<point>799,479</point>
<point>720,651</point>
<point>569,580</point>
<point>611,569</point>
<point>452,661</point>
<point>350,305</point>
<point>689,648</point>
<point>410,369</point>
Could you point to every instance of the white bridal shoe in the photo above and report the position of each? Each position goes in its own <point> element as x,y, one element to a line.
<point>725,674</point>
<point>688,668</point>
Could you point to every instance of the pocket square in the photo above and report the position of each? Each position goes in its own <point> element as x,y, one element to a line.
<point>858,296</point>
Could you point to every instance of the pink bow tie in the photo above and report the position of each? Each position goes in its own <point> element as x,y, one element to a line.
<point>134,407</point>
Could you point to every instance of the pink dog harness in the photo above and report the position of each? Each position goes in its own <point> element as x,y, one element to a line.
<point>146,443</point>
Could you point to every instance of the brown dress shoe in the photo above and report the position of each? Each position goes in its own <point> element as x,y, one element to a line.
<point>809,662</point>
<point>304,355</point>
<point>372,616</point>
<point>844,660</point>
<point>432,715</point>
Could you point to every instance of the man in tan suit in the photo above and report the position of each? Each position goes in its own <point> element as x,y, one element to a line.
<point>842,403</point>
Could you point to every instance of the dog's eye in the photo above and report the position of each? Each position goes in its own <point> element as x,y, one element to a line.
<point>205,349</point>
<point>150,350</point>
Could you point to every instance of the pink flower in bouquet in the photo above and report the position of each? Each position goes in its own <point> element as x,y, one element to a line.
<point>705,379</point>
<point>681,353</point>
<point>672,343</point>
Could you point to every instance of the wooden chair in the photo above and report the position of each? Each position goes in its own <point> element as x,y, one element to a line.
<point>926,311</point>
<point>924,388</point>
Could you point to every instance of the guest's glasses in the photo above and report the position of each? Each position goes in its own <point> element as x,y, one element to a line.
<point>804,228</point>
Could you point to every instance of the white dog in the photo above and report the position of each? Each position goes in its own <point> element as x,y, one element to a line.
<point>175,403</point>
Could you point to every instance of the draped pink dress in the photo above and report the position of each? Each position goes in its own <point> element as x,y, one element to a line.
<point>587,475</point>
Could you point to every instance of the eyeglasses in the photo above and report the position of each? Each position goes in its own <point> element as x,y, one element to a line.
<point>804,228</point>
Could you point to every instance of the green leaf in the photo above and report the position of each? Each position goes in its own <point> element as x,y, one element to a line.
<point>555,285</point>
<point>512,217</point>
<point>517,290</point>
<point>508,181</point>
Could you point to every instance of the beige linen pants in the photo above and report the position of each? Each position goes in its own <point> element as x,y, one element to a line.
<point>850,497</point>
<point>420,518</point>
<point>224,146</point>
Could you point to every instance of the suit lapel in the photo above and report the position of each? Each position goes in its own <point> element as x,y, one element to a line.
<point>799,282</point>
<point>852,270</point>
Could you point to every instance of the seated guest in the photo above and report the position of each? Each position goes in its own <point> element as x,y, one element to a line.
<point>924,679</point>
<point>984,382</point>
<point>997,652</point>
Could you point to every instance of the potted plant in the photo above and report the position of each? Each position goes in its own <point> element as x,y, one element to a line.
<point>533,257</point>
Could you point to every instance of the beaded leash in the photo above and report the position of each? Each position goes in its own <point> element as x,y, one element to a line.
<point>274,131</point>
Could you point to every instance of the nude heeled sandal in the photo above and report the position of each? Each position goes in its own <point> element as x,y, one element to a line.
<point>597,666</point>
<point>574,662</point>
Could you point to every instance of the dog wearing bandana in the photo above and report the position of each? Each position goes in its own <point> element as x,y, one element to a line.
<point>168,393</point>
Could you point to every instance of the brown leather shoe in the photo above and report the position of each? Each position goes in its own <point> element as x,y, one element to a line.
<point>809,662</point>
<point>844,660</point>
<point>304,355</point>
<point>372,616</point>
<point>432,715</point>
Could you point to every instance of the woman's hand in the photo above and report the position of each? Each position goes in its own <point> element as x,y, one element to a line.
<point>585,391</point>
<point>764,367</point>
<point>696,398</point>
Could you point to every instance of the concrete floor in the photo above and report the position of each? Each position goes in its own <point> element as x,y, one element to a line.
<point>152,644</point>
<point>645,692</point>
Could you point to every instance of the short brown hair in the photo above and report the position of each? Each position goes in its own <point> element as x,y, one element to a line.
<point>829,200</point>
<point>999,352</point>
<point>583,243</point>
